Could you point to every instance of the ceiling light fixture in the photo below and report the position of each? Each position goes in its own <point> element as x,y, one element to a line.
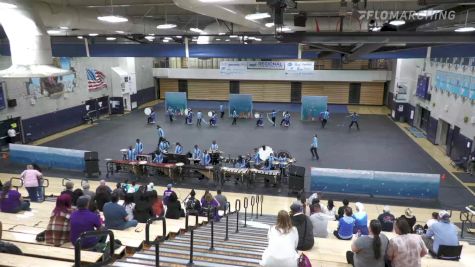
<point>227,40</point>
<point>179,36</point>
<point>64,28</point>
<point>165,40</point>
<point>465,29</point>
<point>257,39</point>
<point>111,38</point>
<point>50,32</point>
<point>7,5</point>
<point>150,38</point>
<point>93,34</point>
<point>233,36</point>
<point>284,29</point>
<point>257,16</point>
<point>198,30</point>
<point>397,22</point>
<point>222,33</point>
<point>112,19</point>
<point>120,32</point>
<point>427,12</point>
<point>214,1</point>
<point>270,24</point>
<point>80,37</point>
<point>166,26</point>
<point>376,29</point>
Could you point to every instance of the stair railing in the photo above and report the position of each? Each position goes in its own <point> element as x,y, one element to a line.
<point>257,207</point>
<point>245,205</point>
<point>106,258</point>
<point>157,241</point>
<point>211,217</point>
<point>191,229</point>
<point>253,202</point>
<point>237,209</point>
<point>262,201</point>
<point>227,212</point>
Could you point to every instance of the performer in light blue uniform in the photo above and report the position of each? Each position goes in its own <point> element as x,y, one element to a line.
<point>189,117</point>
<point>214,146</point>
<point>199,117</point>
<point>151,118</point>
<point>206,159</point>
<point>131,154</point>
<point>170,113</point>
<point>163,146</point>
<point>158,158</point>
<point>213,120</point>
<point>196,153</point>
<point>270,162</point>
<point>354,120</point>
<point>282,165</point>
<point>138,147</point>
<point>273,115</point>
<point>235,117</point>
<point>324,116</point>
<point>314,147</point>
<point>178,148</point>
<point>221,109</point>
<point>160,131</point>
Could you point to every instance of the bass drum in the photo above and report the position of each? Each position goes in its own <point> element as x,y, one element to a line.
<point>284,153</point>
<point>264,152</point>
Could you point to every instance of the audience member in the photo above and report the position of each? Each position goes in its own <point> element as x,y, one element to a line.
<point>119,191</point>
<point>143,208</point>
<point>167,194</point>
<point>369,250</point>
<point>386,219</point>
<point>68,190</point>
<point>103,187</point>
<point>320,222</point>
<point>193,205</point>
<point>331,210</point>
<point>442,232</point>
<point>361,219</point>
<point>431,221</point>
<point>11,200</point>
<point>223,201</point>
<point>304,226</point>
<point>129,205</point>
<point>209,206</point>
<point>115,215</point>
<point>406,249</point>
<point>58,229</point>
<point>283,240</point>
<point>311,198</point>
<point>31,181</point>
<point>87,192</point>
<point>306,209</point>
<point>341,210</point>
<point>93,208</point>
<point>102,196</point>
<point>410,218</point>
<point>76,194</point>
<point>133,188</point>
<point>83,220</point>
<point>316,202</point>
<point>345,225</point>
<point>174,210</point>
<point>157,205</point>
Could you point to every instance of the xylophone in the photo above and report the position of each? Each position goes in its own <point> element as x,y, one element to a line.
<point>139,167</point>
<point>239,173</point>
<point>267,175</point>
<point>207,171</point>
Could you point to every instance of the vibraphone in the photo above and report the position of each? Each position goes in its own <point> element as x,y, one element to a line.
<point>139,168</point>
<point>267,175</point>
<point>206,171</point>
<point>239,173</point>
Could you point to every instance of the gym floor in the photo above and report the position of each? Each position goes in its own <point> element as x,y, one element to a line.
<point>379,145</point>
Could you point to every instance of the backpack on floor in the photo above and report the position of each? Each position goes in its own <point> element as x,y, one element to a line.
<point>9,248</point>
<point>304,261</point>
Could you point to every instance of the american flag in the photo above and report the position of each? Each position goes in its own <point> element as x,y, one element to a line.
<point>95,80</point>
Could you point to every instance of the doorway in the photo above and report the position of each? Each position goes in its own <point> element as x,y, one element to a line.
<point>422,118</point>
<point>442,133</point>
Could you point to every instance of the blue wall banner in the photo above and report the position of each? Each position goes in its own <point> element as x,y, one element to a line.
<point>242,103</point>
<point>176,101</point>
<point>312,107</point>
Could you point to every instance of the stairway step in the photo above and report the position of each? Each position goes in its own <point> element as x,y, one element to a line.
<point>242,234</point>
<point>206,253</point>
<point>207,237</point>
<point>196,258</point>
<point>223,244</point>
<point>168,262</point>
<point>217,249</point>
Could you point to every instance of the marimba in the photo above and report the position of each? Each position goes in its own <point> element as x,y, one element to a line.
<point>207,171</point>
<point>139,168</point>
<point>267,175</point>
<point>239,173</point>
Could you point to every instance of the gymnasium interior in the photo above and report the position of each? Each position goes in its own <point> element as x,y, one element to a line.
<point>101,93</point>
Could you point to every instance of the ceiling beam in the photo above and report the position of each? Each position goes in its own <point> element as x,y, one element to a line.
<point>361,51</point>
<point>379,37</point>
<point>330,48</point>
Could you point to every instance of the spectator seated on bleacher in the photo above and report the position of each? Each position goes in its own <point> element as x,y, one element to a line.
<point>87,192</point>
<point>103,196</point>
<point>83,220</point>
<point>76,194</point>
<point>129,205</point>
<point>386,219</point>
<point>11,200</point>
<point>320,222</point>
<point>167,193</point>
<point>143,205</point>
<point>369,250</point>
<point>311,198</point>
<point>58,229</point>
<point>103,187</point>
<point>410,218</point>
<point>158,209</point>
<point>361,219</point>
<point>6,247</point>
<point>208,202</point>
<point>341,210</point>
<point>431,221</point>
<point>283,240</point>
<point>345,225</point>
<point>316,202</point>
<point>69,187</point>
<point>442,232</point>
<point>132,188</point>
<point>223,201</point>
<point>119,190</point>
<point>174,210</point>
<point>193,205</point>
<point>116,216</point>
<point>331,210</point>
<point>304,226</point>
<point>406,249</point>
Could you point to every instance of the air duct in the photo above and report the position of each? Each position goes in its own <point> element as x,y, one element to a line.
<point>30,45</point>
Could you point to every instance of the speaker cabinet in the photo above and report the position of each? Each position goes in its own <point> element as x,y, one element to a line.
<point>297,171</point>
<point>92,155</point>
<point>300,20</point>
<point>296,183</point>
<point>92,167</point>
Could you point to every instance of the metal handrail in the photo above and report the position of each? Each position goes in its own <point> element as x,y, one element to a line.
<point>262,201</point>
<point>191,228</point>
<point>227,218</point>
<point>245,205</point>
<point>253,202</point>
<point>257,206</point>
<point>464,218</point>
<point>156,242</point>
<point>210,217</point>
<point>237,209</point>
<point>106,259</point>
<point>63,181</point>
<point>16,178</point>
